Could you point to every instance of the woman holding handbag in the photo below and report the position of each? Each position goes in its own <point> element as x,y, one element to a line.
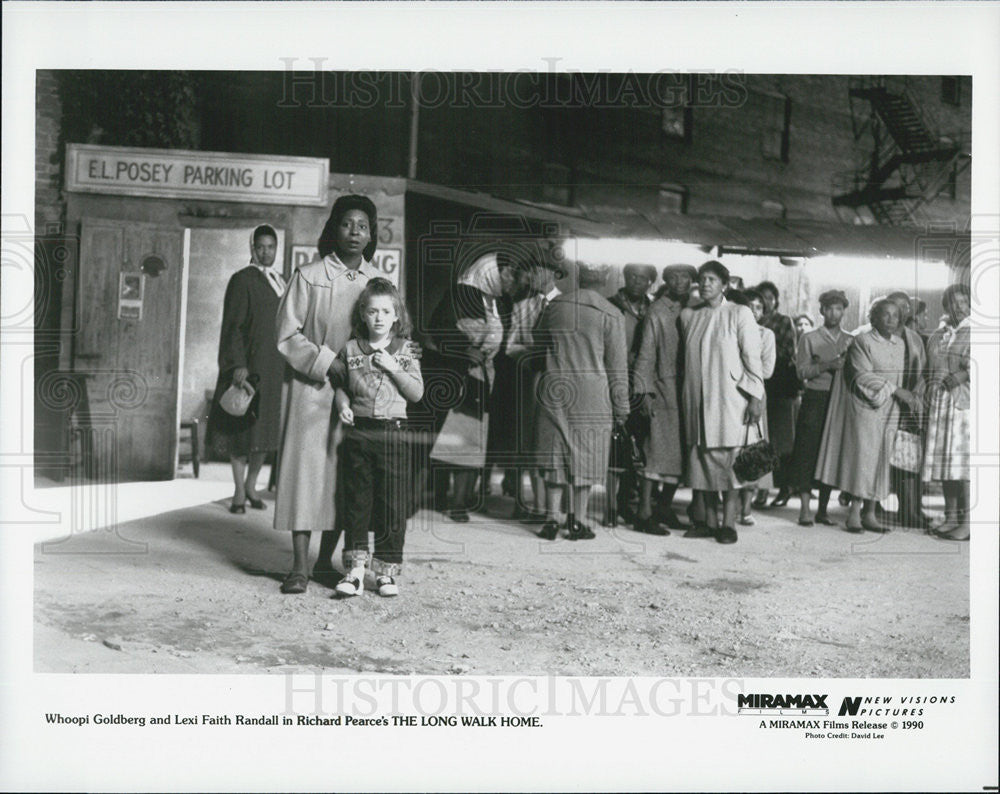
<point>860,429</point>
<point>722,395</point>
<point>946,458</point>
<point>249,363</point>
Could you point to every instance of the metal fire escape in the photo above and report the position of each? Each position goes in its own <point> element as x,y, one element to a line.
<point>908,164</point>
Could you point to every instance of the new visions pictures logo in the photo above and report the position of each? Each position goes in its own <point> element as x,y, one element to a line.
<point>766,704</point>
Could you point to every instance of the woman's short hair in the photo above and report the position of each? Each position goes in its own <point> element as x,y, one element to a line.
<point>878,306</point>
<point>737,296</point>
<point>769,286</point>
<point>952,292</point>
<point>715,267</point>
<point>343,205</point>
<point>374,288</point>
<point>805,317</point>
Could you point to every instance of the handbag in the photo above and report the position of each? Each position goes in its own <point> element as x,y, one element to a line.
<point>236,399</point>
<point>754,460</point>
<point>626,453</point>
<point>907,451</point>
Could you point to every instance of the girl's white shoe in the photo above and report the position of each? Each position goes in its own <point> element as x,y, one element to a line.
<point>387,586</point>
<point>353,583</point>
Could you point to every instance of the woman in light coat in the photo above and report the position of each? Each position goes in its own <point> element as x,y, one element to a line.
<point>861,421</point>
<point>314,324</point>
<point>722,396</point>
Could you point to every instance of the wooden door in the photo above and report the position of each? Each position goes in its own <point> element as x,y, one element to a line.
<point>128,346</point>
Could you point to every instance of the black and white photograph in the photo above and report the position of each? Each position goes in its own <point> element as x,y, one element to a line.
<point>481,398</point>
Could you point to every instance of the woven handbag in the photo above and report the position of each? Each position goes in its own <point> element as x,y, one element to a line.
<point>907,451</point>
<point>754,460</point>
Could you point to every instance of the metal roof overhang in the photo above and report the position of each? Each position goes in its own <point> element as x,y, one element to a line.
<point>753,236</point>
<point>564,222</point>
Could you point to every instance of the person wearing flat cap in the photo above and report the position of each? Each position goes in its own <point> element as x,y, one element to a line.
<point>656,386</point>
<point>820,354</point>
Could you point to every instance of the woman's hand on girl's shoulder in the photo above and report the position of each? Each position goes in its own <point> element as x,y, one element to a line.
<point>385,360</point>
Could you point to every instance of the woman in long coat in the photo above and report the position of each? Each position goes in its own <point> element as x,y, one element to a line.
<point>314,324</point>
<point>722,396</point>
<point>248,353</point>
<point>946,458</point>
<point>863,416</point>
<point>656,383</point>
<point>582,390</point>
<point>466,333</point>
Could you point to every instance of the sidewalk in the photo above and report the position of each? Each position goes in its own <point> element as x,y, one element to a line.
<point>195,589</point>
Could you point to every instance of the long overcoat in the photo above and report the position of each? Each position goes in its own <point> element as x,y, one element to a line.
<point>248,340</point>
<point>657,371</point>
<point>584,385</point>
<point>722,368</point>
<point>314,324</point>
<point>862,418</point>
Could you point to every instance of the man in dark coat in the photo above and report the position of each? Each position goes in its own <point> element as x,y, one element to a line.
<point>248,354</point>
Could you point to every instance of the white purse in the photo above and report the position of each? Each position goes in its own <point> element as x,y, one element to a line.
<point>236,400</point>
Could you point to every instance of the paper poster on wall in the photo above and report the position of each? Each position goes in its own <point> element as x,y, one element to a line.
<point>130,289</point>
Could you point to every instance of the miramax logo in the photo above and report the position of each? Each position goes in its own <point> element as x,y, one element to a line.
<point>767,704</point>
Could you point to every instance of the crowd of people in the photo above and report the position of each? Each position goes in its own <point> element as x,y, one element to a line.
<point>552,385</point>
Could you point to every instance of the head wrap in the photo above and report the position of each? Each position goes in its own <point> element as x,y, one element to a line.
<point>484,275</point>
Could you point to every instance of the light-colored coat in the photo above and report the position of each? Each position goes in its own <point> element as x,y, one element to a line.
<point>584,385</point>
<point>722,370</point>
<point>314,323</point>
<point>862,418</point>
<point>657,372</point>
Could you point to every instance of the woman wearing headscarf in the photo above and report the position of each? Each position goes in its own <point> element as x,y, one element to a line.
<point>466,333</point>
<point>314,324</point>
<point>862,418</point>
<point>946,457</point>
<point>722,396</point>
<point>583,389</point>
<point>248,354</point>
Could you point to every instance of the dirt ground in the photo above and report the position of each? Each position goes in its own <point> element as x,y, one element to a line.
<point>488,597</point>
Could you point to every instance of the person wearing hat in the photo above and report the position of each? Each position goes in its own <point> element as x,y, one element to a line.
<point>633,301</point>
<point>540,277</point>
<point>821,353</point>
<point>248,355</point>
<point>656,385</point>
<point>313,325</point>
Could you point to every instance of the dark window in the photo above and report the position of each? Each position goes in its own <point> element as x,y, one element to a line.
<point>777,127</point>
<point>673,199</point>
<point>557,185</point>
<point>951,91</point>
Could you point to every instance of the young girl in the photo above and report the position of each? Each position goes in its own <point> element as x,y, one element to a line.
<point>379,376</point>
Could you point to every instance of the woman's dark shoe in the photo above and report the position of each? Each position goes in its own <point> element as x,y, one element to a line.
<point>667,516</point>
<point>825,520</point>
<point>459,515</point>
<point>295,583</point>
<point>237,509</point>
<point>581,532</point>
<point>760,500</point>
<point>726,535</point>
<point>781,499</point>
<point>257,504</point>
<point>649,526</point>
<point>549,531</point>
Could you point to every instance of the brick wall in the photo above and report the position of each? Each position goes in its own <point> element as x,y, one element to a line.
<point>49,204</point>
